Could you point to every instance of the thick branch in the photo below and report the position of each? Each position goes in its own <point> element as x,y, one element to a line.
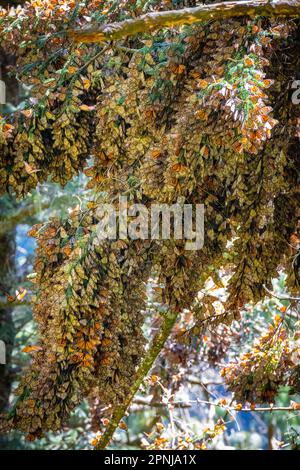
<point>218,11</point>
<point>151,355</point>
<point>190,403</point>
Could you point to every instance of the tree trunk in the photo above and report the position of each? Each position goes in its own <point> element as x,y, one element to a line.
<point>7,331</point>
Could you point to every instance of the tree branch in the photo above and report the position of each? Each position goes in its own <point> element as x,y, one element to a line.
<point>142,402</point>
<point>10,3</point>
<point>5,305</point>
<point>154,350</point>
<point>190,403</point>
<point>218,11</point>
<point>281,297</point>
<point>236,408</point>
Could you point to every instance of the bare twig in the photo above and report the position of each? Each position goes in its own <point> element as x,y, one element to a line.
<point>190,403</point>
<point>281,297</point>
<point>195,381</point>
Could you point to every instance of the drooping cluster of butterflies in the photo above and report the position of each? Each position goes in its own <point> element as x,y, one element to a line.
<point>202,114</point>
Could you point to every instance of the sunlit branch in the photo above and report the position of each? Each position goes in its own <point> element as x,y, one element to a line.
<point>162,19</point>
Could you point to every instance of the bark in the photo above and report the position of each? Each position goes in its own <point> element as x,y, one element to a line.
<point>217,11</point>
